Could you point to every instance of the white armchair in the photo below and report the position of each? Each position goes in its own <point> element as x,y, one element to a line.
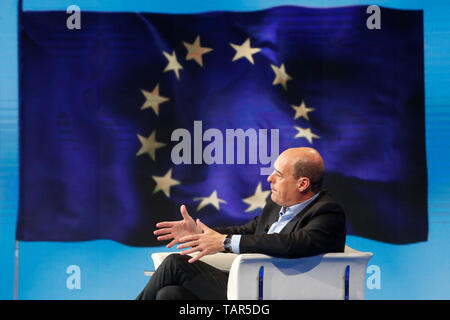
<point>330,276</point>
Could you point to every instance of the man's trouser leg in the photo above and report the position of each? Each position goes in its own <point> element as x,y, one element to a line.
<point>176,278</point>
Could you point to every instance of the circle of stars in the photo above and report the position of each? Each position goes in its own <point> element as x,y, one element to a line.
<point>153,100</point>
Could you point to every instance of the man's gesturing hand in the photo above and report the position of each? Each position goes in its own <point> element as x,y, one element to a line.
<point>208,242</point>
<point>177,229</point>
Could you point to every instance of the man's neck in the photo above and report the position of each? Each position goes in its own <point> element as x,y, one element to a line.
<point>303,198</point>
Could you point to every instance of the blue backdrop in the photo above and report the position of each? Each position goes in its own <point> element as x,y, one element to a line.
<point>105,269</point>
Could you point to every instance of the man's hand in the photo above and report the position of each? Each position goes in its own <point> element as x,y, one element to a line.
<point>208,242</point>
<point>177,229</point>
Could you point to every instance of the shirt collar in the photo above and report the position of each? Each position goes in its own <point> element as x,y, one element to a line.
<point>296,208</point>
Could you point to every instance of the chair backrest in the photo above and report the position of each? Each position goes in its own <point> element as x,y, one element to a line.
<point>347,249</point>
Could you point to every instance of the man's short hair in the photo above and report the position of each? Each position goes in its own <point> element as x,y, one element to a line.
<point>312,171</point>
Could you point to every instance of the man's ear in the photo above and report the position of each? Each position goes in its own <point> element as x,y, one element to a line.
<point>303,184</point>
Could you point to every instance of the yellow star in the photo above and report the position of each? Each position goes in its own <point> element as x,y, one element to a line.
<point>173,64</point>
<point>212,199</point>
<point>257,200</point>
<point>302,111</point>
<point>153,99</point>
<point>281,77</point>
<point>195,51</point>
<point>149,145</point>
<point>244,51</point>
<point>164,183</point>
<point>305,133</point>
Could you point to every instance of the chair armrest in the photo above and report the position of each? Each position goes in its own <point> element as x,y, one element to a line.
<point>318,277</point>
<point>221,261</point>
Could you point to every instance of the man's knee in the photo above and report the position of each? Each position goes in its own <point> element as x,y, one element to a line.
<point>174,260</point>
<point>176,257</point>
<point>175,293</point>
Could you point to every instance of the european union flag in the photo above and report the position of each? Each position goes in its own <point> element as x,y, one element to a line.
<point>133,114</point>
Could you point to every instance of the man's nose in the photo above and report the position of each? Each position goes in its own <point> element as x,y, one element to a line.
<point>269,178</point>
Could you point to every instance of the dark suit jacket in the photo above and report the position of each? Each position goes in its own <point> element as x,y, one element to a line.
<point>319,228</point>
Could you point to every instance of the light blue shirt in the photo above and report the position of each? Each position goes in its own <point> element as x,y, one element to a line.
<point>286,215</point>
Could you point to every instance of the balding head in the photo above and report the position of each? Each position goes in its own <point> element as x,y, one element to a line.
<point>298,175</point>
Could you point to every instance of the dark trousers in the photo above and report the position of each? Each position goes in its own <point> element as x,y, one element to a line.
<point>177,279</point>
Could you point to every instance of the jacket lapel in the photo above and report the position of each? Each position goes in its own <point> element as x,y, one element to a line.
<point>302,214</point>
<point>273,217</point>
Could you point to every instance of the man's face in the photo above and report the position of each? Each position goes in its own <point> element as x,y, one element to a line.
<point>283,184</point>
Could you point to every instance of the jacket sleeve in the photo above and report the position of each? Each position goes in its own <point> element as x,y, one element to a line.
<point>248,228</point>
<point>324,232</point>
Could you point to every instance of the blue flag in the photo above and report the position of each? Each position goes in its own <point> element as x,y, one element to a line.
<point>126,116</point>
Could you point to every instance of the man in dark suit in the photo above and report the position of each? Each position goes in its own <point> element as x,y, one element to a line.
<point>299,220</point>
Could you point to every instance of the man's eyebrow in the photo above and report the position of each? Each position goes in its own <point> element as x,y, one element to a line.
<point>279,172</point>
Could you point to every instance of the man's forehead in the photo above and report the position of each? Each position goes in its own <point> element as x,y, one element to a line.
<point>280,165</point>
